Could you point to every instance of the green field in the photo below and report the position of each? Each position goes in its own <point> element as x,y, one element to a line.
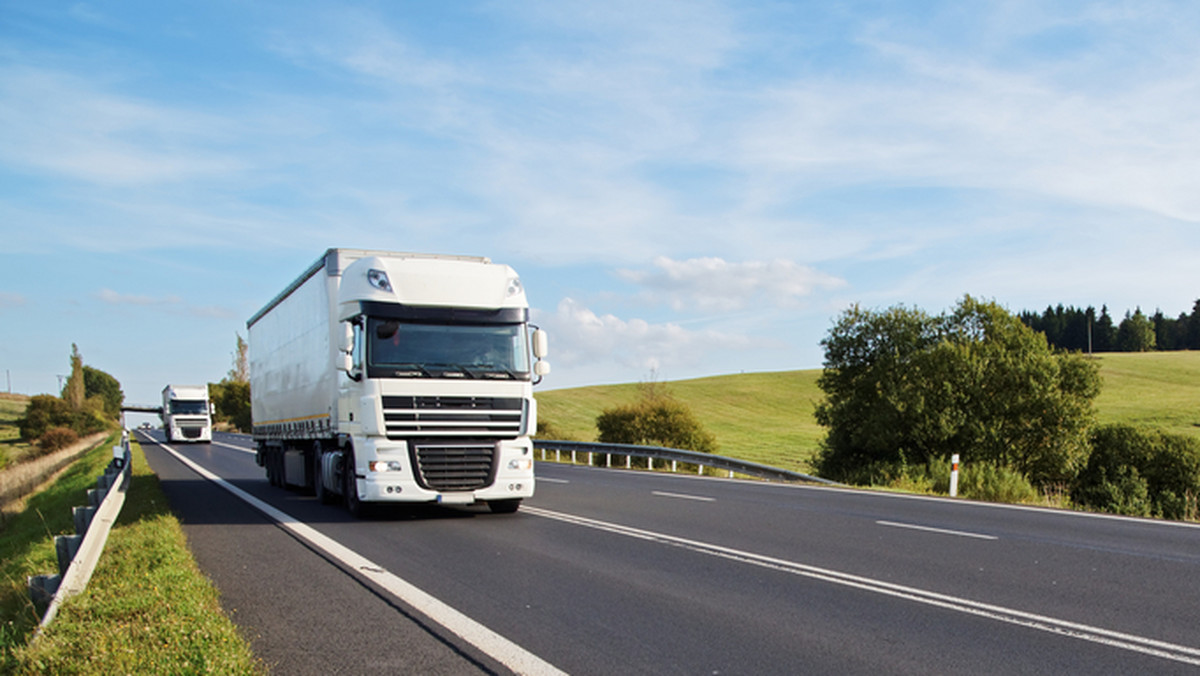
<point>12,407</point>
<point>768,417</point>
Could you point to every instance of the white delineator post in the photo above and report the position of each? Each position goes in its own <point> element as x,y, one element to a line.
<point>954,475</point>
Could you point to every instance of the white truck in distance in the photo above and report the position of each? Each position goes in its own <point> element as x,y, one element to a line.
<point>187,413</point>
<point>398,377</point>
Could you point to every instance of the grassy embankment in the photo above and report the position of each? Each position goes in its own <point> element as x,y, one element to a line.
<point>147,609</point>
<point>768,417</point>
<point>12,406</point>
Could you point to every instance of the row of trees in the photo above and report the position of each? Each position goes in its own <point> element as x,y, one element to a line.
<point>904,390</point>
<point>1081,329</point>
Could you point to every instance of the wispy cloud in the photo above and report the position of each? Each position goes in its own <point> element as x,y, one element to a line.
<point>584,339</point>
<point>113,298</point>
<point>714,284</point>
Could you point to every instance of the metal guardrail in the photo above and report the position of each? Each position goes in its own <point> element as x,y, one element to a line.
<point>79,553</point>
<point>676,455</point>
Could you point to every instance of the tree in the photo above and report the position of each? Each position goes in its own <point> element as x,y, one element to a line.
<point>902,386</point>
<point>1136,333</point>
<point>74,392</point>
<point>231,396</point>
<point>97,383</point>
<point>240,373</point>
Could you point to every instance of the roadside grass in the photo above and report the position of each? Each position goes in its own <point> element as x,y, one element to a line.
<point>768,417</point>
<point>147,609</point>
<point>12,407</point>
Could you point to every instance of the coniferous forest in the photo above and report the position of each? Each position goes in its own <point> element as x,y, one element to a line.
<point>1084,330</point>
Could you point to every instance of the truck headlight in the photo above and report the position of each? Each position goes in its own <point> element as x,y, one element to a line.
<point>523,464</point>
<point>385,465</point>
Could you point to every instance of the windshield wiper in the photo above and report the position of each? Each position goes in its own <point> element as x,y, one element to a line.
<point>411,369</point>
<point>493,371</point>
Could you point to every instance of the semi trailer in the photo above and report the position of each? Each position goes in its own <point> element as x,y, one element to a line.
<point>186,413</point>
<point>387,377</point>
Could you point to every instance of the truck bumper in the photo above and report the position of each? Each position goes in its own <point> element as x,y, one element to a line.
<point>514,477</point>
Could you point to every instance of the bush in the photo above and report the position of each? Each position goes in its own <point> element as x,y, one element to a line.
<point>57,438</point>
<point>1140,472</point>
<point>657,419</point>
<point>995,483</point>
<point>44,411</point>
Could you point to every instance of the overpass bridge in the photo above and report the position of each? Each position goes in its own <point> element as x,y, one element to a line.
<point>139,408</point>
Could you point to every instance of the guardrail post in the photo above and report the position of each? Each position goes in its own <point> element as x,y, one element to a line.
<point>673,466</point>
<point>66,547</point>
<point>573,462</point>
<point>42,589</point>
<point>650,463</point>
<point>82,516</point>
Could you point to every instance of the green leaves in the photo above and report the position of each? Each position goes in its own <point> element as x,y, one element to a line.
<point>903,384</point>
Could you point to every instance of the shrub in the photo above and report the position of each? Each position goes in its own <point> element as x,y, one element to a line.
<point>1140,472</point>
<point>57,438</point>
<point>995,483</point>
<point>657,419</point>
<point>44,411</point>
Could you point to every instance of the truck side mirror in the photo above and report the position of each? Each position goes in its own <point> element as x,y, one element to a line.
<point>541,344</point>
<point>346,345</point>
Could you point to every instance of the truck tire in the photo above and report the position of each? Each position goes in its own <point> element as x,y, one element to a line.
<point>504,506</point>
<point>350,486</point>
<point>323,496</point>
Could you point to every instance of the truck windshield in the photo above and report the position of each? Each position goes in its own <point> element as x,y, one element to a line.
<point>186,407</point>
<point>397,349</point>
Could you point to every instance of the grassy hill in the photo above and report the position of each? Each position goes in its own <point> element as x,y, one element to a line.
<point>767,417</point>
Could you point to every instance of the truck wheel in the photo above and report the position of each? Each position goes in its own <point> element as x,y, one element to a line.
<point>318,476</point>
<point>349,486</point>
<point>504,506</point>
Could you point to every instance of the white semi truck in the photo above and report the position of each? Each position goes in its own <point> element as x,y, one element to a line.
<point>398,377</point>
<point>187,413</point>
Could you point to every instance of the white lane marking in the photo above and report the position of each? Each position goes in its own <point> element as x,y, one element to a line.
<point>683,496</point>
<point>1115,639</point>
<point>943,531</point>
<point>251,451</point>
<point>548,480</point>
<point>494,645</point>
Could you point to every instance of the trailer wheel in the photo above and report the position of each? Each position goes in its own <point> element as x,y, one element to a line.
<point>274,468</point>
<point>350,487</point>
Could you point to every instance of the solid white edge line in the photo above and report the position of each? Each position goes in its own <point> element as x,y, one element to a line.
<point>683,496</point>
<point>492,644</point>
<point>943,531</point>
<point>1139,644</point>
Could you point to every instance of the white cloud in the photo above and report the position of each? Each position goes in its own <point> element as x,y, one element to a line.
<point>113,298</point>
<point>69,126</point>
<point>584,339</point>
<point>11,299</point>
<point>708,284</point>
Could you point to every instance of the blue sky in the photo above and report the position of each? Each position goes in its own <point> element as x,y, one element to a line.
<point>687,188</point>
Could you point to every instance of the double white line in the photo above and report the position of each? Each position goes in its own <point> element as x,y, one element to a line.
<point>1115,639</point>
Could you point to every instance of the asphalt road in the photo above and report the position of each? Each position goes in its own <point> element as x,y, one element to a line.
<point>608,571</point>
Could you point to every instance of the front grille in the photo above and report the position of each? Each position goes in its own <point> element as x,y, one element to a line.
<point>493,417</point>
<point>454,466</point>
